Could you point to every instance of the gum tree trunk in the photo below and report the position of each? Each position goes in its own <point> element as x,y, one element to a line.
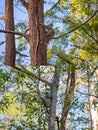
<point>52,112</point>
<point>38,48</point>
<point>42,47</point>
<point>68,101</point>
<point>10,38</point>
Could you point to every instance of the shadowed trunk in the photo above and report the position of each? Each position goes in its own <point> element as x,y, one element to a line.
<point>42,48</point>
<point>10,38</point>
<point>38,48</point>
<point>33,38</point>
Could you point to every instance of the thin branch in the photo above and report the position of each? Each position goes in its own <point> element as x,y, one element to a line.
<point>5,41</point>
<point>86,50</point>
<point>53,7</point>
<point>24,3</point>
<point>65,59</point>
<point>16,33</point>
<point>93,71</point>
<point>2,43</point>
<point>44,103</point>
<point>2,17</point>
<point>90,35</point>
<point>87,94</point>
<point>24,70</point>
<point>21,54</point>
<point>74,29</point>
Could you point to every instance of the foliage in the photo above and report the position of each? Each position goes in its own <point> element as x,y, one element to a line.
<point>20,102</point>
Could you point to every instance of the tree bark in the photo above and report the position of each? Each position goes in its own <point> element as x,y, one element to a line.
<point>38,48</point>
<point>42,47</point>
<point>52,113</point>
<point>36,36</point>
<point>33,36</point>
<point>68,100</point>
<point>10,53</point>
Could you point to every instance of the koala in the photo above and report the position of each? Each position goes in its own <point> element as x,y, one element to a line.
<point>49,31</point>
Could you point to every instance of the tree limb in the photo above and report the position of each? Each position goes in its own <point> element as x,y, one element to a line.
<point>74,29</point>
<point>2,17</point>
<point>23,55</point>
<point>16,33</point>
<point>96,67</point>
<point>53,7</point>
<point>65,59</point>
<point>87,94</point>
<point>24,3</point>
<point>24,70</point>
<point>90,35</point>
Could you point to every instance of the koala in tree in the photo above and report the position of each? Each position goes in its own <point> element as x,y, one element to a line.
<point>50,32</point>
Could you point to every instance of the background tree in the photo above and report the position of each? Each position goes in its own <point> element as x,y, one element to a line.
<point>10,54</point>
<point>43,99</point>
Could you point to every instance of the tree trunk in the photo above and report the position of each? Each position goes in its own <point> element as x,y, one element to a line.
<point>42,47</point>
<point>68,100</point>
<point>10,53</point>
<point>38,48</point>
<point>52,114</point>
<point>33,36</point>
<point>92,108</point>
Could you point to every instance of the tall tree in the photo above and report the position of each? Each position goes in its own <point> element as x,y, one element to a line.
<point>69,94</point>
<point>38,51</point>
<point>36,36</point>
<point>54,90</point>
<point>10,38</point>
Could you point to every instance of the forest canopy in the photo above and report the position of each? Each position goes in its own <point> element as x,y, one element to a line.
<point>49,65</point>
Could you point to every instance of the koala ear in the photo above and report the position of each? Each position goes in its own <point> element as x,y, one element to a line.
<point>49,26</point>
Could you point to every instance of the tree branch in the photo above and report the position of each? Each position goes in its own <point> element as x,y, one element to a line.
<point>2,17</point>
<point>24,3</point>
<point>90,35</point>
<point>96,67</point>
<point>87,94</point>
<point>65,59</point>
<point>44,103</point>
<point>74,29</point>
<point>24,70</point>
<point>21,54</point>
<point>16,33</point>
<point>52,7</point>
